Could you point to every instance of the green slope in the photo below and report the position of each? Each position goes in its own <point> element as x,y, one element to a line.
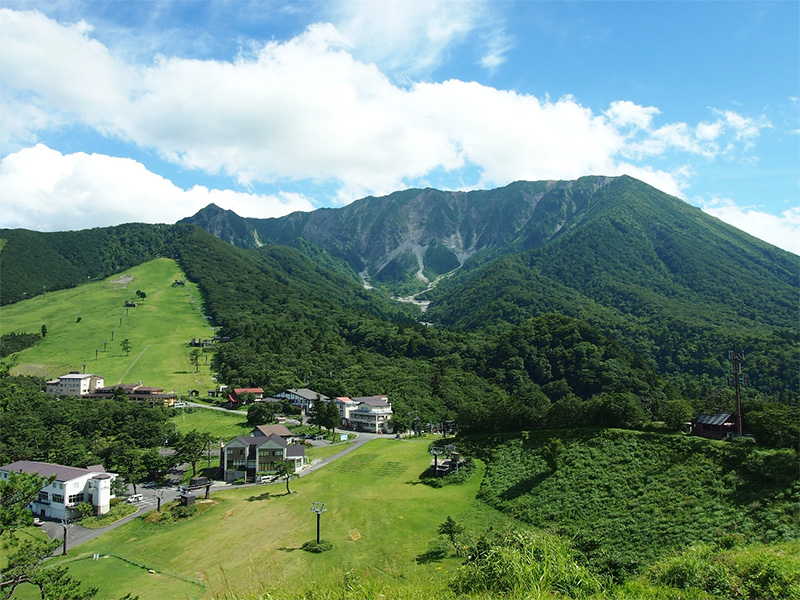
<point>628,498</point>
<point>82,320</point>
<point>34,262</point>
<point>677,286</point>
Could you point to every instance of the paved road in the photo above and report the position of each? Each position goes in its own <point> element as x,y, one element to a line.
<point>77,535</point>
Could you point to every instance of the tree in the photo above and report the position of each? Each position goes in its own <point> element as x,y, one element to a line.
<point>286,471</point>
<point>25,560</point>
<point>331,417</point>
<point>676,413</point>
<point>127,461</point>
<point>452,530</point>
<point>140,294</point>
<point>190,448</point>
<point>126,346</point>
<point>194,359</point>
<point>260,413</point>
<point>44,330</point>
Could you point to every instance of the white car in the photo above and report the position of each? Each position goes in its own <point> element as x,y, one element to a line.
<point>133,499</point>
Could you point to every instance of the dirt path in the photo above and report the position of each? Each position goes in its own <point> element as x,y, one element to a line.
<point>135,360</point>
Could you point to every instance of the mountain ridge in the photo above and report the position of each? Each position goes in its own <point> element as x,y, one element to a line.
<point>417,232</point>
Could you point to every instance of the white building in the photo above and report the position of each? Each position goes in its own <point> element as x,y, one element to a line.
<point>74,384</point>
<point>71,486</point>
<point>371,413</point>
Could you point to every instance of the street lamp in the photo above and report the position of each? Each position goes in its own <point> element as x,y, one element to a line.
<point>65,524</point>
<point>319,508</point>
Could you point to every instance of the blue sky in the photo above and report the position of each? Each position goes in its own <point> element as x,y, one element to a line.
<point>115,112</point>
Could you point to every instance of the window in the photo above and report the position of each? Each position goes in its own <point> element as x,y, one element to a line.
<point>277,453</point>
<point>58,498</point>
<point>76,498</point>
<point>43,496</point>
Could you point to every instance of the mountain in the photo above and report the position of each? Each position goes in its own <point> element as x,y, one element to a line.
<point>647,283</point>
<point>421,234</point>
<point>678,286</point>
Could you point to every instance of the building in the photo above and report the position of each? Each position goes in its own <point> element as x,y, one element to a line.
<point>248,457</point>
<point>136,392</point>
<point>302,398</point>
<point>370,413</point>
<point>74,384</point>
<point>238,395</point>
<point>71,486</point>
<point>717,427</point>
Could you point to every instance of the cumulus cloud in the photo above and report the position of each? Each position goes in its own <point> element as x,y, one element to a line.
<point>409,37</point>
<point>45,190</point>
<point>782,231</point>
<point>312,109</point>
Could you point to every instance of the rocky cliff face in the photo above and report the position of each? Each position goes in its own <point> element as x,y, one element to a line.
<point>421,233</point>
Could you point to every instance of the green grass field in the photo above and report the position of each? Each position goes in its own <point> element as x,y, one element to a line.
<point>82,321</point>
<point>218,424</point>
<point>250,541</point>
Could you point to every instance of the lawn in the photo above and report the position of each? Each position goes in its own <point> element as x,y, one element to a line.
<point>220,425</point>
<point>251,540</point>
<point>85,326</point>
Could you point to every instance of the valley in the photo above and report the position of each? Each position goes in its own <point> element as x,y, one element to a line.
<point>590,324</point>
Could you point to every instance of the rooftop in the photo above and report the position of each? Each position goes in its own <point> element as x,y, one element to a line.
<point>43,469</point>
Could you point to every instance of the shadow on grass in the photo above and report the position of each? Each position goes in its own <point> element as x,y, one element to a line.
<point>181,372</point>
<point>289,549</point>
<point>264,496</point>
<point>525,486</point>
<point>432,555</point>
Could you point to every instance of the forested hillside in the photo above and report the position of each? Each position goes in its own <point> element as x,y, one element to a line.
<point>601,301</point>
<point>34,263</point>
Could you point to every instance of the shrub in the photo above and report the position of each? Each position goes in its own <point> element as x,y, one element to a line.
<point>313,546</point>
<point>523,564</point>
<point>183,512</point>
<point>464,472</point>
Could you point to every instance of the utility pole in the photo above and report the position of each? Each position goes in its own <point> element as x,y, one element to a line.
<point>738,380</point>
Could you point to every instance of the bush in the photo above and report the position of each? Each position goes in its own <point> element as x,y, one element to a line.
<point>313,546</point>
<point>756,572</point>
<point>183,512</point>
<point>464,473</point>
<point>524,564</point>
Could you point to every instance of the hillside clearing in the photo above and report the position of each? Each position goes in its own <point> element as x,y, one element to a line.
<point>86,324</point>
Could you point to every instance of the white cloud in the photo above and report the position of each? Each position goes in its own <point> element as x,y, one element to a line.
<point>45,190</point>
<point>782,231</point>
<point>307,109</point>
<point>626,113</point>
<point>407,37</point>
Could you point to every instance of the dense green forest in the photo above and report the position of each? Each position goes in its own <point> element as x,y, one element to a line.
<point>121,435</point>
<point>607,303</point>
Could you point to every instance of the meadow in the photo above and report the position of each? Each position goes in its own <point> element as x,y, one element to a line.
<point>86,325</point>
<point>378,517</point>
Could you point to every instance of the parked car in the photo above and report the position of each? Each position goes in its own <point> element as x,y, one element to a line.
<point>133,499</point>
<point>179,405</point>
<point>37,522</point>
